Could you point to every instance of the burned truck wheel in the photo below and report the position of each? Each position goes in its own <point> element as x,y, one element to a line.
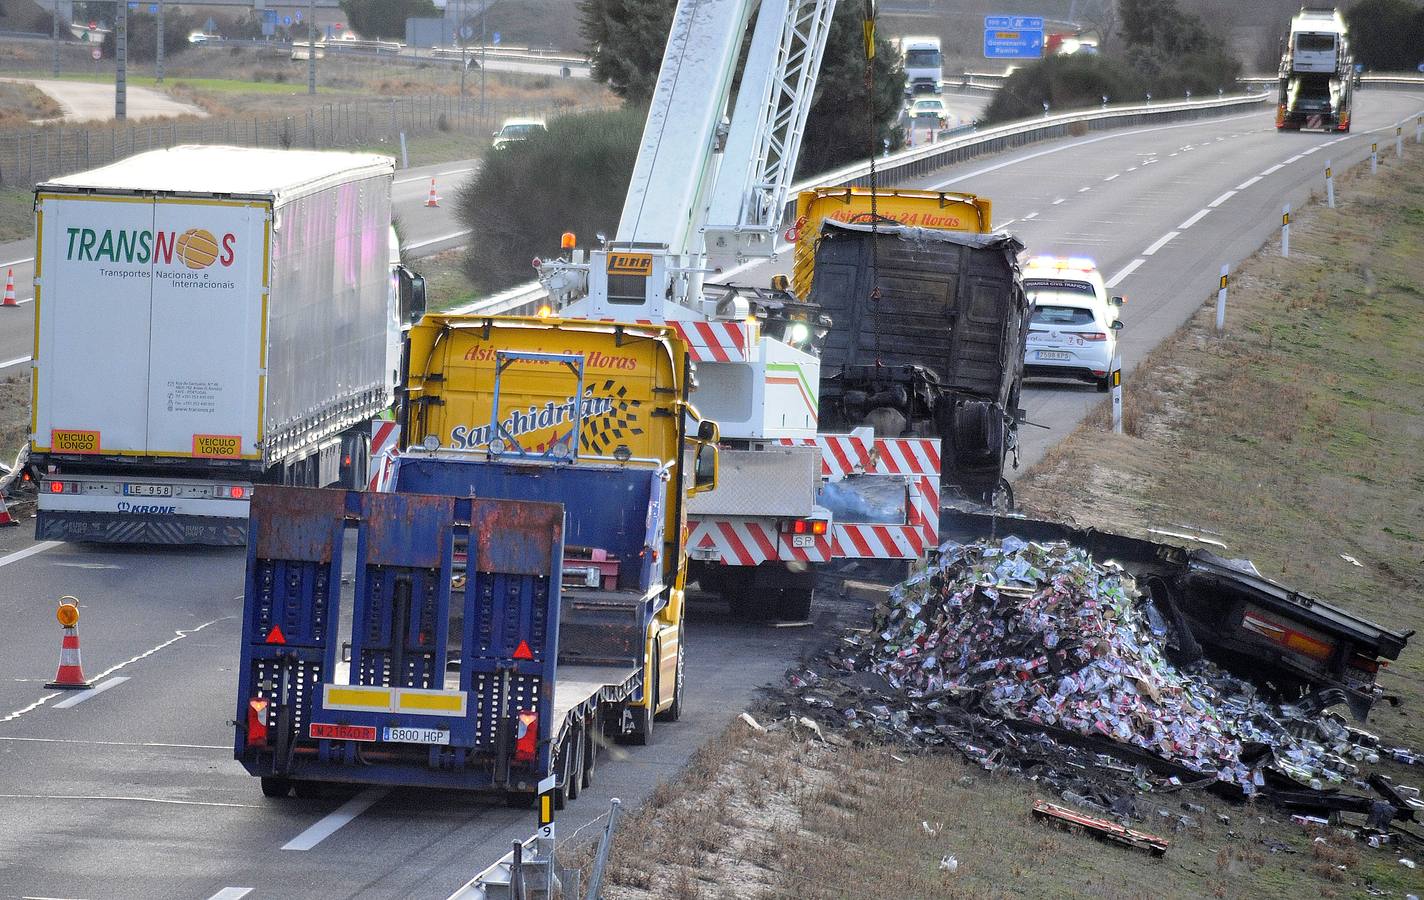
<point>978,432</point>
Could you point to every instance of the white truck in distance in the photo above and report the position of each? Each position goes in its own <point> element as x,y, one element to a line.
<point>924,64</point>
<point>207,318</point>
<point>1317,41</point>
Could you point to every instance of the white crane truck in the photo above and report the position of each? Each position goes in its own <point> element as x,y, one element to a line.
<point>712,186</point>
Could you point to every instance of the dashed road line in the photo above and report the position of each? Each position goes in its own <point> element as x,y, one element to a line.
<point>1222,199</point>
<point>1248,182</point>
<point>1195,218</point>
<point>1083,189</point>
<point>7,364</point>
<point>231,893</point>
<point>97,689</point>
<point>1032,215</point>
<point>1311,150</point>
<point>1170,155</point>
<point>416,245</point>
<point>16,262</point>
<point>1058,201</point>
<point>1296,158</point>
<point>1160,243</point>
<point>336,820</point>
<point>1007,223</point>
<point>1132,168</point>
<point>1276,168</point>
<point>1112,176</point>
<point>434,175</point>
<point>1124,272</point>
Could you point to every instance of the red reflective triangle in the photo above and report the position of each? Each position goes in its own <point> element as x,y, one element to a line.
<point>275,636</point>
<point>523,651</point>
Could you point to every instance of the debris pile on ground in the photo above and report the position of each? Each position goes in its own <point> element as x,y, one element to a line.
<point>1035,657</point>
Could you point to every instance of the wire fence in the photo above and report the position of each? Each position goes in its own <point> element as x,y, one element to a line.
<point>40,154</point>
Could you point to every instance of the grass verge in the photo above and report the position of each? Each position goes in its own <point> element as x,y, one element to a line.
<point>1296,437</point>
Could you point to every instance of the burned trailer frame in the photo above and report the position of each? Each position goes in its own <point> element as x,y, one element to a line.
<point>926,340</point>
<point>1228,612</point>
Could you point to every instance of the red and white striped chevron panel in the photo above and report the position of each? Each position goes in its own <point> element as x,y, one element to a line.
<point>711,341</point>
<point>750,542</point>
<point>385,441</point>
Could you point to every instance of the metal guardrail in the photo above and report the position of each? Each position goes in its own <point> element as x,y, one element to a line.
<point>1391,80</point>
<point>525,298</point>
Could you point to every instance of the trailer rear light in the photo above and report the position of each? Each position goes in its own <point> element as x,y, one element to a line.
<point>237,492</point>
<point>1365,664</point>
<point>56,487</point>
<point>257,722</point>
<point>526,736</point>
<point>803,526</point>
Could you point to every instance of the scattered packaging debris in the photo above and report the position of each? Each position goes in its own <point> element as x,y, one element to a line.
<point>1034,657</point>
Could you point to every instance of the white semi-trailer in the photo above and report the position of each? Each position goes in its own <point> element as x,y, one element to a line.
<point>207,318</point>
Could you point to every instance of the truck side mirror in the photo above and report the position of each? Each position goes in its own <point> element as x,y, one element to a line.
<point>704,470</point>
<point>412,295</point>
<point>707,431</point>
<point>1118,301</point>
<point>1116,325</point>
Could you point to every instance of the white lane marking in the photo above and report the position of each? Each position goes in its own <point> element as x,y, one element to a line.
<point>1149,162</point>
<point>335,820</point>
<point>162,800</point>
<point>1007,223</point>
<point>1058,201</point>
<point>1295,158</point>
<point>76,699</point>
<point>1170,155</point>
<point>231,893</point>
<point>1160,242</point>
<point>7,364</point>
<point>1113,175</point>
<point>435,240</point>
<point>436,175</point>
<point>1222,199</point>
<point>35,740</point>
<point>1195,218</point>
<point>16,262</point>
<point>1082,189</point>
<point>1124,272</point>
<point>1132,168</point>
<point>1106,137</point>
<point>1276,168</point>
<point>41,547</point>
<point>1311,150</point>
<point>179,635</point>
<point>1032,215</point>
<point>1248,182</point>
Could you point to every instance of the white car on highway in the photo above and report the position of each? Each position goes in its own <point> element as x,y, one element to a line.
<point>1073,332</point>
<point>516,130</point>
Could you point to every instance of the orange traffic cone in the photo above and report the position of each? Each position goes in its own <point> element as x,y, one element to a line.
<point>5,517</point>
<point>10,288</point>
<point>71,672</point>
<point>432,200</point>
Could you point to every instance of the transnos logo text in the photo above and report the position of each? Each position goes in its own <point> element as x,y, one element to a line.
<point>196,248</point>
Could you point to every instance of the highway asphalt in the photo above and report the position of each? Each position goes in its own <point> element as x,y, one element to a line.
<point>132,792</point>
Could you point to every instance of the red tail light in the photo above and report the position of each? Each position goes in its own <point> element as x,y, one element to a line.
<point>1092,335</point>
<point>803,526</point>
<point>526,736</point>
<point>236,492</point>
<point>257,722</point>
<point>56,487</point>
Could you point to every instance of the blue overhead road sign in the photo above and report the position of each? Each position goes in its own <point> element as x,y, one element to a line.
<point>1001,44</point>
<point>1013,23</point>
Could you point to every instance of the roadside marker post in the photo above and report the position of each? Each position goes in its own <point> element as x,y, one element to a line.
<point>1329,186</point>
<point>1419,130</point>
<point>1285,230</point>
<point>1116,375</point>
<point>1221,299</point>
<point>405,159</point>
<point>1374,158</point>
<point>1399,140</point>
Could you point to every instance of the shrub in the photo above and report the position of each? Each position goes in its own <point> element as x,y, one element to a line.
<point>573,178</point>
